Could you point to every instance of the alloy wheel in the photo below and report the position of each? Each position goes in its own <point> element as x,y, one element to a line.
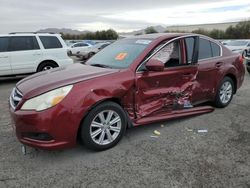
<point>226,92</point>
<point>105,127</point>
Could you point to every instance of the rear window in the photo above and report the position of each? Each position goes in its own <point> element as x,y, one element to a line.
<point>4,43</point>
<point>50,42</point>
<point>23,43</point>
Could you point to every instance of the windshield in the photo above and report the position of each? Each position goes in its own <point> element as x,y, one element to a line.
<point>237,43</point>
<point>120,54</point>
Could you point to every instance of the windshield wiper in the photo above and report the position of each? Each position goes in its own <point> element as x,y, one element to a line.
<point>101,65</point>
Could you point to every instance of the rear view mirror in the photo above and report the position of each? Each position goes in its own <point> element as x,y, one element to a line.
<point>154,65</point>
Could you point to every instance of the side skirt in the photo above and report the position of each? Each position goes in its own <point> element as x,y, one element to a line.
<point>173,115</point>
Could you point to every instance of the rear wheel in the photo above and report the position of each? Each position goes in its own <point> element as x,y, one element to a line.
<point>104,126</point>
<point>225,93</point>
<point>46,66</point>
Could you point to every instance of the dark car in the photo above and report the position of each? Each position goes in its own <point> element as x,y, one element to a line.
<point>248,65</point>
<point>134,81</point>
<point>247,58</point>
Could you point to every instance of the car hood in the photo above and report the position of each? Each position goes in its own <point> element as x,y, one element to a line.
<point>48,80</point>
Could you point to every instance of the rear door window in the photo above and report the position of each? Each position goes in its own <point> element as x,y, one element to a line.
<point>4,44</point>
<point>205,50</point>
<point>50,42</point>
<point>23,43</point>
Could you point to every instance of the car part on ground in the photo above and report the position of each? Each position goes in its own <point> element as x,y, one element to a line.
<point>134,81</point>
<point>30,52</point>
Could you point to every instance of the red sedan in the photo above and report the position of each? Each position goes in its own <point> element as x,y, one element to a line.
<point>134,81</point>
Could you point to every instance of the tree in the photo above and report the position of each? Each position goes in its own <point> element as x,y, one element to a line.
<point>150,30</point>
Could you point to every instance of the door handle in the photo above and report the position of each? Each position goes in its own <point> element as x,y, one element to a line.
<point>187,75</point>
<point>4,57</point>
<point>218,64</point>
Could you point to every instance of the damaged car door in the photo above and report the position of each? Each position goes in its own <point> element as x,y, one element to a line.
<point>160,91</point>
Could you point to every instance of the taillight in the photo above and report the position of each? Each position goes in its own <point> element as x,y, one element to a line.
<point>241,59</point>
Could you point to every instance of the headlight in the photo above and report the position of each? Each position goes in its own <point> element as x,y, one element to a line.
<point>47,100</point>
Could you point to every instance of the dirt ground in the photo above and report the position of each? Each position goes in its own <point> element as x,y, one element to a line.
<point>179,157</point>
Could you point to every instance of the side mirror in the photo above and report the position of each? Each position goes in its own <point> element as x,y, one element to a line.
<point>155,65</point>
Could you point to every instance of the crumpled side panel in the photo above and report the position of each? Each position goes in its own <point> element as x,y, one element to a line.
<point>156,95</point>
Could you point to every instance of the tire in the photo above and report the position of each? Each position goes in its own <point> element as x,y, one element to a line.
<point>46,66</point>
<point>96,131</point>
<point>226,89</point>
<point>244,53</point>
<point>248,70</point>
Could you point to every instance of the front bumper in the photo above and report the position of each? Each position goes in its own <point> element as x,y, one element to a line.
<point>58,124</point>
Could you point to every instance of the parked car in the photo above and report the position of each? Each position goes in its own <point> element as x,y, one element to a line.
<point>79,47</point>
<point>225,42</point>
<point>88,53</point>
<point>22,53</point>
<point>239,46</point>
<point>134,81</point>
<point>100,46</point>
<point>247,59</point>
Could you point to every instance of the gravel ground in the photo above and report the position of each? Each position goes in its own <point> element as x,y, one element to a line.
<point>179,157</point>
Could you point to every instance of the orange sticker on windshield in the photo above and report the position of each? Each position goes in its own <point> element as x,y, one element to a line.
<point>121,56</point>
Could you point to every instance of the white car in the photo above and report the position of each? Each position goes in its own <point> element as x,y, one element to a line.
<point>239,46</point>
<point>23,53</point>
<point>79,48</point>
<point>92,50</point>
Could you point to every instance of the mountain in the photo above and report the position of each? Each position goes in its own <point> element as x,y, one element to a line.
<point>63,30</point>
<point>158,28</point>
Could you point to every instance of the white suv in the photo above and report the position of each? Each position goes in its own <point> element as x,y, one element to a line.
<point>22,53</point>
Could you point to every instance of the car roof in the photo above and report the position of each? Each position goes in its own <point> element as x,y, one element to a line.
<point>28,34</point>
<point>160,35</point>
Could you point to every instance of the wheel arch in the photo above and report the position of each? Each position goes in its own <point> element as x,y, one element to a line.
<point>112,99</point>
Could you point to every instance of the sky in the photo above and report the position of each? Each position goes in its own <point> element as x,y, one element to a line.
<point>123,16</point>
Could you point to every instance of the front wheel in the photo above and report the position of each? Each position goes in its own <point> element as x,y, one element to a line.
<point>104,126</point>
<point>224,93</point>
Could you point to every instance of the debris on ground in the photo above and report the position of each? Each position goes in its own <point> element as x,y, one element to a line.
<point>153,136</point>
<point>157,133</point>
<point>202,131</point>
<point>189,130</point>
<point>162,125</point>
